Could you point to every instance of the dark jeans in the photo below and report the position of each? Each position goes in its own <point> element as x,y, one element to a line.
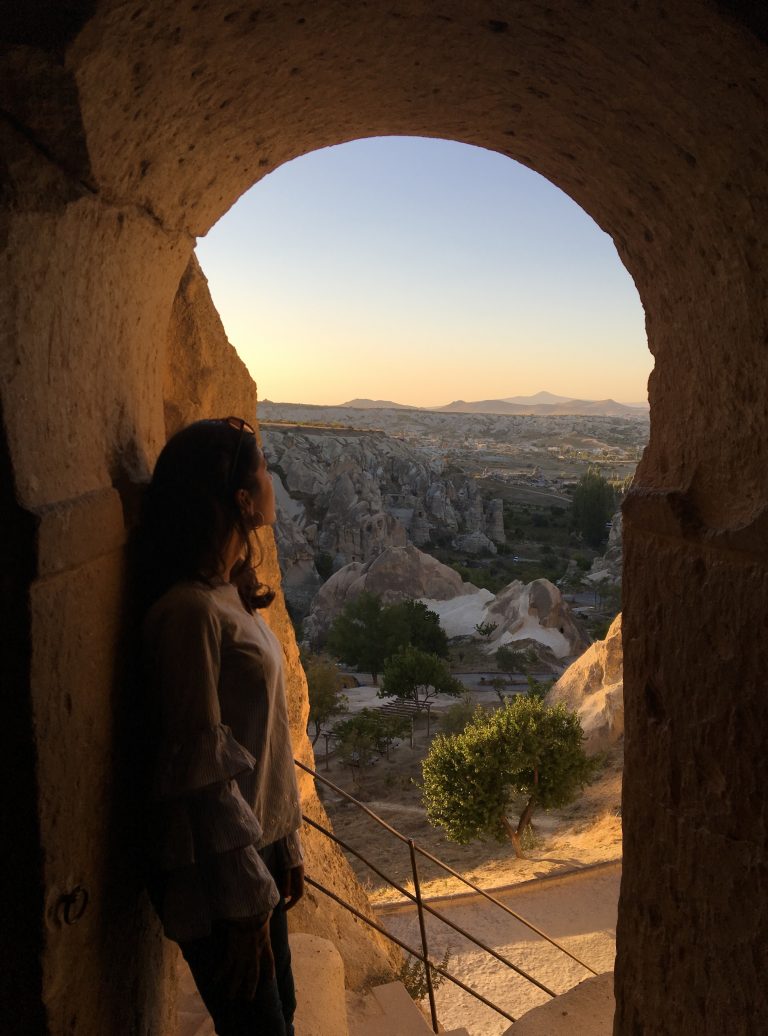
<point>271,1012</point>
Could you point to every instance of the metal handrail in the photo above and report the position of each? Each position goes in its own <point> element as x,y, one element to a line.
<point>430,909</point>
<point>428,965</point>
<point>421,906</point>
<point>445,867</point>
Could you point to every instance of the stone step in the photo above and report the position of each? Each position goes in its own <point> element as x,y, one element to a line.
<point>587,1009</point>
<point>324,1008</point>
<point>388,1010</point>
<point>318,973</point>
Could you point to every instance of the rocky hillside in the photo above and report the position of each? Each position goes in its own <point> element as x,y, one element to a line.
<point>526,615</point>
<point>345,496</point>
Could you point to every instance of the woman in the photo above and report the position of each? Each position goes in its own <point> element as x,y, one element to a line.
<point>226,814</point>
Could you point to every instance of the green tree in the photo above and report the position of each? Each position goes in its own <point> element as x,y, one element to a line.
<point>594,502</point>
<point>324,689</point>
<point>418,676</point>
<point>411,622</point>
<point>369,733</point>
<point>366,632</point>
<point>455,718</point>
<point>609,595</point>
<point>357,635</point>
<point>512,660</point>
<point>522,756</point>
<point>539,688</point>
<point>485,629</point>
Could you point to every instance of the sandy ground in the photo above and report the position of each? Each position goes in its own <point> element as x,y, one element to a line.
<point>589,831</point>
<point>576,909</point>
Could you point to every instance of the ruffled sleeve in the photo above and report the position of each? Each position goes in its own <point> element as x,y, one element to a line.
<point>204,834</point>
<point>201,758</point>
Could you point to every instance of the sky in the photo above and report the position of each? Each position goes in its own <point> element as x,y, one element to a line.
<point>422,271</point>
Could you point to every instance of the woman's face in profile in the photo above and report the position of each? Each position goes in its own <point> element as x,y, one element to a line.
<point>263,492</point>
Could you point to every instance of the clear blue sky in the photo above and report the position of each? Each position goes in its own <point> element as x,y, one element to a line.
<point>422,271</point>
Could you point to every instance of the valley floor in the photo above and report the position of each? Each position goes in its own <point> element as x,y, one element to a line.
<point>588,831</point>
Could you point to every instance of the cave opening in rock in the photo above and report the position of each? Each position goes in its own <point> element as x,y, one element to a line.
<point>353,273</point>
<point>133,129</point>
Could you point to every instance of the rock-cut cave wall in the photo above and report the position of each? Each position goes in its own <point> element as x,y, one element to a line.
<point>128,127</point>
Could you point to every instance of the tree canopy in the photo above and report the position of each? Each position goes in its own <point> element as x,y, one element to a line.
<point>357,634</point>
<point>416,675</point>
<point>366,632</point>
<point>485,629</point>
<point>411,622</point>
<point>524,755</point>
<point>324,689</point>
<point>366,735</point>
<point>515,660</point>
<point>594,502</point>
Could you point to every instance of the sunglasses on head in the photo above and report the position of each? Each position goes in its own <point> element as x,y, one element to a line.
<point>242,426</point>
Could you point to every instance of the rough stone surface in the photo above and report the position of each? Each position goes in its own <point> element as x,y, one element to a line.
<point>593,687</point>
<point>128,129</point>
<point>585,1010</point>
<point>318,973</point>
<point>202,370</point>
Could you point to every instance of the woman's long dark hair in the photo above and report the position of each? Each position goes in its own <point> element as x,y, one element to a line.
<point>189,511</point>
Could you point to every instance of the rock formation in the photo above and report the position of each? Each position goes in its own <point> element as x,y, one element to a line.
<point>395,574</point>
<point>593,687</point>
<point>537,610</point>
<point>526,615</point>
<point>350,495</point>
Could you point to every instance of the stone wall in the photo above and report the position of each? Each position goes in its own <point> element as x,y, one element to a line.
<point>129,128</point>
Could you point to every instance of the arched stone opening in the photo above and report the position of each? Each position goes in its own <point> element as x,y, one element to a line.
<point>131,128</point>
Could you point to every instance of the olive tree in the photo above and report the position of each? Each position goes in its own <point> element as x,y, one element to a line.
<point>521,757</point>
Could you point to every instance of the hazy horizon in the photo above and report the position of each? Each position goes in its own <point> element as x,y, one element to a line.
<point>422,272</point>
<point>421,406</point>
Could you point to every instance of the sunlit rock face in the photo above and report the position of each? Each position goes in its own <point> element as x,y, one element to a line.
<point>523,615</point>
<point>593,687</point>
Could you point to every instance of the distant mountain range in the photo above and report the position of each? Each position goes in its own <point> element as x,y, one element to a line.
<point>542,404</point>
<point>379,404</point>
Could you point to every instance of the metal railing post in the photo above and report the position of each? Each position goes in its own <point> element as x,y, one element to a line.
<point>423,929</point>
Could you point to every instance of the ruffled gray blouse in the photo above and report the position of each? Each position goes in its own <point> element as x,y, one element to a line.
<point>225,783</point>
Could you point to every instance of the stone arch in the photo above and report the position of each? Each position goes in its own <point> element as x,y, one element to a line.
<point>132,127</point>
